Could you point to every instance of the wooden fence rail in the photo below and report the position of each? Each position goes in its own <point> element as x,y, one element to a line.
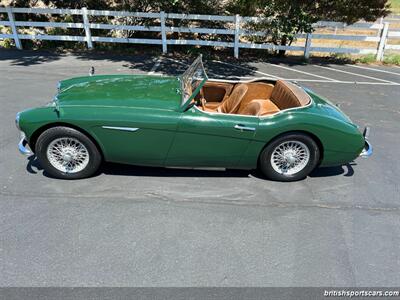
<point>233,25</point>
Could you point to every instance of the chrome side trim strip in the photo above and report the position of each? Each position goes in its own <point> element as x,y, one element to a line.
<point>121,128</point>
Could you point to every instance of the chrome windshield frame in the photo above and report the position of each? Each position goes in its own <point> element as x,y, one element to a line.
<point>187,79</point>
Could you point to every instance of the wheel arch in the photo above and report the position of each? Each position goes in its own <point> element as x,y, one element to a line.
<point>35,135</point>
<point>311,135</point>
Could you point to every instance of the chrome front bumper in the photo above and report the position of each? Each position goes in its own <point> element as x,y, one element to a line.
<point>22,147</point>
<point>367,151</point>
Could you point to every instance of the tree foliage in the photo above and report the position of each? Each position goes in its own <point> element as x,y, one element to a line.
<point>348,11</point>
<point>176,6</point>
<point>282,19</point>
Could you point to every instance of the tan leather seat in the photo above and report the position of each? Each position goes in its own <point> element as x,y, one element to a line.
<point>231,104</point>
<point>216,92</point>
<point>287,95</point>
<point>257,90</point>
<point>259,107</point>
<point>212,105</point>
<point>248,99</point>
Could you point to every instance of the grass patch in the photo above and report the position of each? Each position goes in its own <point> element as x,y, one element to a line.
<point>389,59</point>
<point>395,6</point>
<point>353,59</point>
<point>392,59</point>
<point>366,59</point>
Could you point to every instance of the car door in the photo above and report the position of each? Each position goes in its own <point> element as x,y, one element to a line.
<point>211,139</point>
<point>136,136</point>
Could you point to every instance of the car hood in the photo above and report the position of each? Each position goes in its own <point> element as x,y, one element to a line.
<point>121,90</point>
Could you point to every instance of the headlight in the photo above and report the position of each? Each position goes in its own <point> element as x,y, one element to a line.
<point>17,121</point>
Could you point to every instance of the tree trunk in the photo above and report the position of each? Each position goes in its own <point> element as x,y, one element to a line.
<point>281,53</point>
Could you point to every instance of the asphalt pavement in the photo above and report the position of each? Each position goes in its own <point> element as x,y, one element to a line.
<point>138,226</point>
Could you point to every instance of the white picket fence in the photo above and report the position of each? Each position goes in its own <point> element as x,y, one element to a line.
<point>393,34</point>
<point>233,25</point>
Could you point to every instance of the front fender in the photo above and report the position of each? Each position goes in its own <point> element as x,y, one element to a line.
<point>31,120</point>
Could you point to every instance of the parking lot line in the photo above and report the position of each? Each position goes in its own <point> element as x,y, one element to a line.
<point>356,74</point>
<point>302,72</point>
<point>221,78</point>
<point>340,81</point>
<point>372,69</point>
<point>248,69</point>
<point>323,79</point>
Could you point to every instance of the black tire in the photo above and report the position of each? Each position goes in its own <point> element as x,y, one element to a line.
<point>55,133</point>
<point>267,168</point>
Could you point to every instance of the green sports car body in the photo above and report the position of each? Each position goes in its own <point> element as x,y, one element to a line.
<point>180,121</point>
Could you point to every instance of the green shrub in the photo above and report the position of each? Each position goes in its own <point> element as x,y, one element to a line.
<point>393,59</point>
<point>348,58</point>
<point>366,59</point>
<point>6,43</point>
<point>390,59</point>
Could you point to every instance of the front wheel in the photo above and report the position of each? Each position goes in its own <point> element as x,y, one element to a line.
<point>67,153</point>
<point>289,157</point>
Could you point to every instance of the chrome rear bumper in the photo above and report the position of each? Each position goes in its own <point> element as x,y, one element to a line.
<point>22,147</point>
<point>367,151</point>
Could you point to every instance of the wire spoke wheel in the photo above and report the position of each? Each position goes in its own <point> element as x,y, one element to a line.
<point>67,154</point>
<point>290,157</point>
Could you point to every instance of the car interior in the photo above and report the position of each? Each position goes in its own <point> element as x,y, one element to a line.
<point>250,98</point>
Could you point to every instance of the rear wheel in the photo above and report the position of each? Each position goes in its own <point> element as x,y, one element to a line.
<point>289,157</point>
<point>66,153</point>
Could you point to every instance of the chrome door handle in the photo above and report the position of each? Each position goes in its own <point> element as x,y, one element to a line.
<point>244,128</point>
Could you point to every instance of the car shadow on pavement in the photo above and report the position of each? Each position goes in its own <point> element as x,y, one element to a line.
<point>346,169</point>
<point>130,170</point>
<point>33,167</point>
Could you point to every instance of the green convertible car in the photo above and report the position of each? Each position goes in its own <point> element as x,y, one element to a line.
<point>188,121</point>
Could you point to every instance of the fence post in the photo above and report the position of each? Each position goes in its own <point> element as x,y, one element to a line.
<point>163,32</point>
<point>237,36</point>
<point>11,19</point>
<point>307,46</point>
<point>379,31</point>
<point>382,42</point>
<point>86,25</point>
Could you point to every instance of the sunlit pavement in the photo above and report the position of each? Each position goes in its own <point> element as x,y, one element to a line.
<point>169,227</point>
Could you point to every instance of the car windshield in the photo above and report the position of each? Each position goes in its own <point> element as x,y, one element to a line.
<point>192,80</point>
